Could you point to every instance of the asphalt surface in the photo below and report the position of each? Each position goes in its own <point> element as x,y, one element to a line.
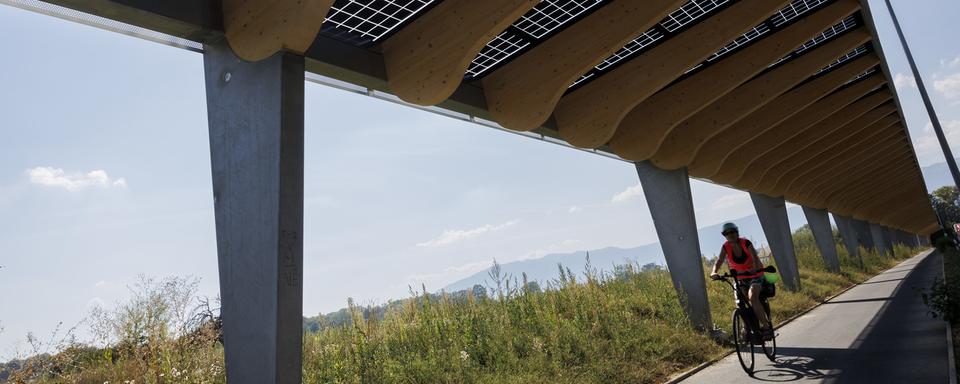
<point>877,332</point>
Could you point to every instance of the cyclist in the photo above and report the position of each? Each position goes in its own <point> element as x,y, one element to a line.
<point>742,257</point>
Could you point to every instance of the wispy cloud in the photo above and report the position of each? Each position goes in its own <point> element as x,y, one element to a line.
<point>902,80</point>
<point>627,194</point>
<point>452,236</point>
<point>731,200</point>
<point>574,209</point>
<point>949,86</point>
<point>950,63</point>
<point>927,146</point>
<point>56,177</point>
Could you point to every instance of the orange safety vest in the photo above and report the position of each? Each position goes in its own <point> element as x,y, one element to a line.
<point>746,265</point>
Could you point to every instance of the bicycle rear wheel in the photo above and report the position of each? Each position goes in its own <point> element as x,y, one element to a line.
<point>770,346</point>
<point>742,338</point>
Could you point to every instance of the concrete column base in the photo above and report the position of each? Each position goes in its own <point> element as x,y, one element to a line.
<point>772,212</point>
<point>671,206</point>
<point>255,117</point>
<point>819,223</point>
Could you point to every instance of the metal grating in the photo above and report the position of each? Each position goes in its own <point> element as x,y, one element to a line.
<point>363,22</point>
<point>545,18</point>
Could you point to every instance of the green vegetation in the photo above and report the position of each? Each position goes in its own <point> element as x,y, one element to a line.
<point>624,327</point>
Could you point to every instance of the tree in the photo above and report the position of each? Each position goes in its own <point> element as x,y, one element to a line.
<point>946,200</point>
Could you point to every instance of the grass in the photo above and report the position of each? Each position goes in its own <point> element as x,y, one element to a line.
<point>627,327</point>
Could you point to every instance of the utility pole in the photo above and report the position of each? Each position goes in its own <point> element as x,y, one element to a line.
<point>937,128</point>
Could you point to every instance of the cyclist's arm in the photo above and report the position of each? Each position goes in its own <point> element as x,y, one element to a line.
<point>719,263</point>
<point>757,264</point>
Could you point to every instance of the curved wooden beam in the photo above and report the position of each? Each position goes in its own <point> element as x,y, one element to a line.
<point>816,145</point>
<point>835,155</point>
<point>815,185</point>
<point>680,145</point>
<point>865,172</point>
<point>882,204</point>
<point>912,212</point>
<point>800,140</point>
<point>522,94</point>
<point>426,59</point>
<point>842,194</point>
<point>642,131</point>
<point>256,29</point>
<point>875,178</point>
<point>735,163</point>
<point>710,155</point>
<point>588,116</point>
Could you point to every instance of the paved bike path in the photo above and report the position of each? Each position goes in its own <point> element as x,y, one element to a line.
<point>877,332</point>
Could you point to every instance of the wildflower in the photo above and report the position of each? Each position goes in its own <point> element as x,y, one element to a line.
<point>464,355</point>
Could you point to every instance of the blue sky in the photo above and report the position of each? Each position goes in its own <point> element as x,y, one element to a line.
<point>105,175</point>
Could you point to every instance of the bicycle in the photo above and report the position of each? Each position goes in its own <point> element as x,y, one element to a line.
<point>746,330</point>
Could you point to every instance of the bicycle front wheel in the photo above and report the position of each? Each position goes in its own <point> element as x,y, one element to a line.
<point>770,346</point>
<point>742,338</point>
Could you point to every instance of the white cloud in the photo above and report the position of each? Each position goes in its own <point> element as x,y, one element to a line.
<point>627,194</point>
<point>731,200</point>
<point>574,209</point>
<point>451,236</point>
<point>949,86</point>
<point>927,146</point>
<point>902,80</point>
<point>56,177</point>
<point>947,63</point>
<point>100,283</point>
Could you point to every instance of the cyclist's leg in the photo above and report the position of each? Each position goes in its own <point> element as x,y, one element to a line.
<point>754,296</point>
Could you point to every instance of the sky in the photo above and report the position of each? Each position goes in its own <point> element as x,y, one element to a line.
<point>105,176</point>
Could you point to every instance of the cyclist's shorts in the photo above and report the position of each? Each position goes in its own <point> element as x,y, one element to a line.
<point>752,281</point>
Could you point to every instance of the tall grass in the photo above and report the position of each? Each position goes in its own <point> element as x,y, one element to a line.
<point>627,327</point>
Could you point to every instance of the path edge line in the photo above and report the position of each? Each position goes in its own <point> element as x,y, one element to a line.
<point>684,375</point>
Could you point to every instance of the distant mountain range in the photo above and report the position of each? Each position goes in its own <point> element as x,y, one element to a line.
<point>937,175</point>
<point>545,268</point>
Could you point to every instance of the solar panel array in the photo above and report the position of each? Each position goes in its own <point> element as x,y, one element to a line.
<point>545,18</point>
<point>364,22</point>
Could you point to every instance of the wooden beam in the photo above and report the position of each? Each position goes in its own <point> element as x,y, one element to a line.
<point>893,199</point>
<point>521,95</point>
<point>710,155</point>
<point>426,59</point>
<point>256,29</point>
<point>865,173</point>
<point>836,154</point>
<point>680,146</point>
<point>800,140</point>
<point>867,179</point>
<point>642,131</point>
<point>817,184</point>
<point>815,146</point>
<point>588,116</point>
<point>802,180</point>
<point>735,163</point>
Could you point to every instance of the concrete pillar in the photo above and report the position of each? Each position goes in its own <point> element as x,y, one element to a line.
<point>819,223</point>
<point>863,233</point>
<point>772,212</point>
<point>849,235</point>
<point>255,117</point>
<point>876,233</point>
<point>671,206</point>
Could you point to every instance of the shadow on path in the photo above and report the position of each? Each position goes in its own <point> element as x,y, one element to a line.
<point>902,343</point>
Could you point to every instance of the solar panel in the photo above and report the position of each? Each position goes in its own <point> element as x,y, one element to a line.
<point>546,17</point>
<point>363,22</point>
<point>862,75</point>
<point>686,16</point>
<point>835,30</point>
<point>857,52</point>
